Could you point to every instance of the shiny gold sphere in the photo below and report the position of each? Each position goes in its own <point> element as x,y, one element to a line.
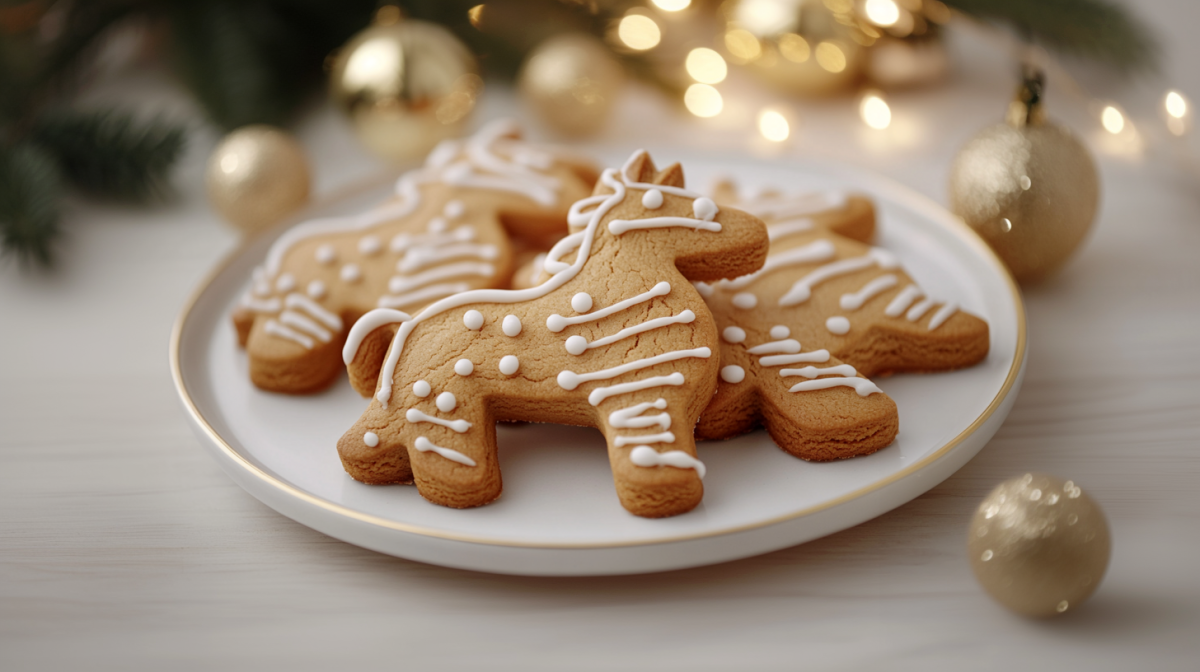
<point>1030,191</point>
<point>256,176</point>
<point>808,47</point>
<point>572,81</point>
<point>1039,545</point>
<point>405,86</point>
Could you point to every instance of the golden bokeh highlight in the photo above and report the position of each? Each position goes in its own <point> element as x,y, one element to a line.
<point>1175,104</point>
<point>831,57</point>
<point>742,45</point>
<point>475,16</point>
<point>639,32</point>
<point>794,48</point>
<point>706,66</point>
<point>882,12</point>
<point>703,100</point>
<point>773,125</point>
<point>1112,119</point>
<point>875,111</point>
<point>672,5</point>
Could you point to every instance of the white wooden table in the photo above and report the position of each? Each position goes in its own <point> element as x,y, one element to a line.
<point>123,546</point>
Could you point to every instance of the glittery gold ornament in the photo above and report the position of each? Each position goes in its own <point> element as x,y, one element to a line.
<point>256,176</point>
<point>810,47</point>
<point>572,82</point>
<point>1028,187</point>
<point>1039,545</point>
<point>406,85</point>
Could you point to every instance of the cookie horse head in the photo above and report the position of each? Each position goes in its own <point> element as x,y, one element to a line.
<point>445,231</point>
<point>616,338</point>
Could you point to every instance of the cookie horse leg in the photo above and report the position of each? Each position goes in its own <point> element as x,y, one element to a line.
<point>653,457</point>
<point>453,451</point>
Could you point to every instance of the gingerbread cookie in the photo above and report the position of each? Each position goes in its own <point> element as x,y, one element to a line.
<point>616,338</point>
<point>446,231</point>
<point>799,335</point>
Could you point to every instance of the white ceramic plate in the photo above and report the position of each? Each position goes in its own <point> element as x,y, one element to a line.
<point>559,514</point>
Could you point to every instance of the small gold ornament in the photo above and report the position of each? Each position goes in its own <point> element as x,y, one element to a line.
<point>1039,545</point>
<point>256,176</point>
<point>908,49</point>
<point>1028,187</point>
<point>406,85</point>
<point>572,82</point>
<point>809,47</point>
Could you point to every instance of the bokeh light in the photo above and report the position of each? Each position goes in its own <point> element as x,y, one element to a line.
<point>742,45</point>
<point>1176,104</point>
<point>706,66</point>
<point>672,5</point>
<point>773,125</point>
<point>639,32</point>
<point>831,57</point>
<point>882,12</point>
<point>874,111</point>
<point>703,100</point>
<point>1112,120</point>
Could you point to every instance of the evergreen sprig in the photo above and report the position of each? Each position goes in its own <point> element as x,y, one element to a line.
<point>30,192</point>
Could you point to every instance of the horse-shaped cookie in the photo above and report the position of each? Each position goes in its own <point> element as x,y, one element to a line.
<point>617,339</point>
<point>445,231</point>
<point>799,334</point>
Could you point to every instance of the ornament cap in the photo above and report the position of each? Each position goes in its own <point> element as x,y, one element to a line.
<point>1026,108</point>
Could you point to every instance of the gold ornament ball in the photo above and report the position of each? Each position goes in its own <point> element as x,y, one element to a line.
<point>1039,545</point>
<point>1029,188</point>
<point>572,82</point>
<point>256,176</point>
<point>405,86</point>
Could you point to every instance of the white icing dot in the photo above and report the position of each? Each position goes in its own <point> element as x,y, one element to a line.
<point>446,402</point>
<point>454,209</point>
<point>262,288</point>
<point>422,389</point>
<point>396,284</point>
<point>326,255</point>
<point>464,367</point>
<point>780,332</point>
<point>369,245</point>
<point>733,334</point>
<point>285,283</point>
<point>733,374</point>
<point>577,345</point>
<point>581,302</point>
<point>511,325</point>
<point>652,199</point>
<point>509,365</point>
<point>371,439</point>
<point>474,321</point>
<point>316,289</point>
<point>400,242</point>
<point>745,300</point>
<point>704,208</point>
<point>437,225</point>
<point>837,325</point>
<point>556,323</point>
<point>350,273</point>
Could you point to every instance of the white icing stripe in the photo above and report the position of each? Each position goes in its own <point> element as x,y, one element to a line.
<point>863,386</point>
<point>400,284</point>
<point>569,380</point>
<point>300,301</point>
<point>804,204</point>
<point>706,290</point>
<point>599,394</point>
<point>276,329</point>
<point>461,174</point>
<point>802,289</point>
<point>813,371</point>
<point>916,312</point>
<point>365,325</point>
<point>856,300</point>
<point>425,445</point>
<point>818,250</point>
<point>557,323</point>
<point>789,227</point>
<point>816,356</point>
<point>401,242</point>
<point>631,417</point>
<point>902,301</point>
<point>686,317</point>
<point>645,456</point>
<point>420,257</point>
<point>423,294</point>
<point>261,305</point>
<point>619,226</point>
<point>661,437</point>
<point>414,416</point>
<point>789,345</point>
<point>302,323</point>
<point>942,315</point>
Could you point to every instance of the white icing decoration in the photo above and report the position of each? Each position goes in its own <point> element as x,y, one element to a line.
<point>326,255</point>
<point>557,323</point>
<point>473,320</point>
<point>745,300</point>
<point>816,356</point>
<point>371,439</point>
<point>902,301</point>
<point>942,315</point>
<point>301,323</point>
<point>423,294</point>
<point>285,283</point>
<point>816,251</point>
<point>796,206</point>
<point>599,394</point>
<point>422,389</point>
<point>509,364</point>
<point>316,289</point>
<point>916,312</point>
<point>705,209</point>
<point>706,290</point>
<point>837,325</point>
<point>577,345</point>
<point>350,273</point>
<point>261,305</point>
<point>813,371</point>
<point>661,437</point>
<point>733,374</point>
<point>454,209</point>
<point>365,325</point>
<point>301,302</point>
<point>437,225</point>
<point>631,417</point>
<point>733,334</point>
<point>538,266</point>
<point>400,284</point>
<point>645,456</point>
<point>789,345</point>
<point>569,380</point>
<point>780,332</point>
<point>780,230</point>
<point>446,402</point>
<point>425,445</point>
<point>276,329</point>
<point>863,386</point>
<point>401,242</point>
<point>420,257</point>
<point>581,302</point>
<point>801,290</point>
<point>511,325</point>
<point>856,300</point>
<point>652,199</point>
<point>464,367</point>
<point>414,416</point>
<point>369,245</point>
<point>619,226</point>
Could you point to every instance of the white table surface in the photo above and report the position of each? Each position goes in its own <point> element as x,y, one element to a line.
<point>123,545</point>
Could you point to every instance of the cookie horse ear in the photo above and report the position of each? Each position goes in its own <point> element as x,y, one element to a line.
<point>641,167</point>
<point>671,176</point>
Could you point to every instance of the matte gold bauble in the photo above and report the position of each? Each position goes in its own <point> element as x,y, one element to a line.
<point>1028,187</point>
<point>1039,545</point>
<point>572,82</point>
<point>808,47</point>
<point>405,86</point>
<point>256,176</point>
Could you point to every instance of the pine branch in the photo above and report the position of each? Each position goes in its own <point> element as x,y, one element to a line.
<point>1096,29</point>
<point>109,153</point>
<point>30,191</point>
